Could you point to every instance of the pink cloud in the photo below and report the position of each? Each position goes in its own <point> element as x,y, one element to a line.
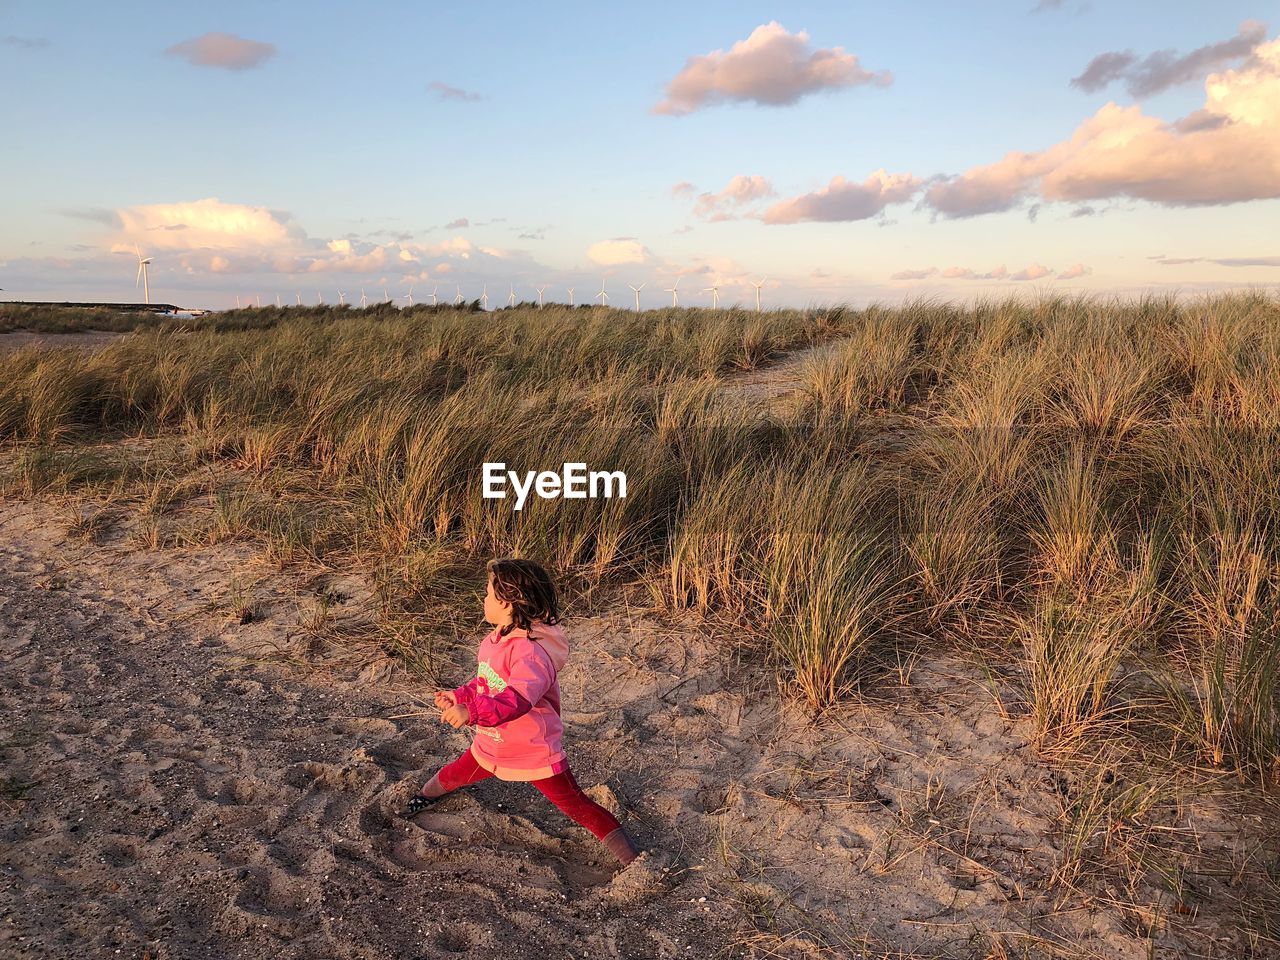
<point>843,199</point>
<point>740,191</point>
<point>224,50</point>
<point>968,273</point>
<point>1033,272</point>
<point>207,223</point>
<point>772,67</point>
<point>682,189</point>
<point>1074,271</point>
<point>617,251</point>
<point>1226,152</point>
<point>914,274</point>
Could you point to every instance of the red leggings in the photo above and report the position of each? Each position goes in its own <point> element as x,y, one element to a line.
<point>561,789</point>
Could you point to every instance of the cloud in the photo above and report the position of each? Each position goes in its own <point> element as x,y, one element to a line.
<point>1084,211</point>
<point>457,224</point>
<point>740,191</point>
<point>1122,152</point>
<point>224,50</point>
<point>349,261</point>
<point>446,92</point>
<point>1221,261</point>
<point>95,214</point>
<point>1103,69</point>
<point>843,199</point>
<point>25,43</point>
<point>1163,69</point>
<point>1074,271</point>
<point>989,189</point>
<point>1034,272</point>
<point>205,224</point>
<point>682,189</point>
<point>228,238</point>
<point>967,273</point>
<point>618,251</point>
<point>771,67</point>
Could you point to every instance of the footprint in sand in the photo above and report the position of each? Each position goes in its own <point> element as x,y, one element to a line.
<point>327,776</point>
<point>646,878</point>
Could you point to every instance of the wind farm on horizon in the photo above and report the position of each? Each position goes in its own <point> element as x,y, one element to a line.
<point>142,279</point>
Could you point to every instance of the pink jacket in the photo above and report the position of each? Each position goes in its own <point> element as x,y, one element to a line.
<point>514,702</point>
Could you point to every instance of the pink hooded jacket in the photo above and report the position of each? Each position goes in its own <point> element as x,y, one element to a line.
<point>514,702</point>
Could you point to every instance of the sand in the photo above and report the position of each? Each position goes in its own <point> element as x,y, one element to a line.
<point>184,785</point>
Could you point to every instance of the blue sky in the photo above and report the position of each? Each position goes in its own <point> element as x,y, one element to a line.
<point>337,136</point>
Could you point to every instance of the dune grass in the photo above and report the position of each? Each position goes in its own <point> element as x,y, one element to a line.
<point>1084,489</point>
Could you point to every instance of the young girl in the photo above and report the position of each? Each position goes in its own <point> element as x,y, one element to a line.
<point>514,705</point>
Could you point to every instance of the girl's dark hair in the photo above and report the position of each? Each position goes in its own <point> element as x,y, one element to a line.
<point>528,588</point>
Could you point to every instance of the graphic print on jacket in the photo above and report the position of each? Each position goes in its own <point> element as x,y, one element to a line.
<point>514,702</point>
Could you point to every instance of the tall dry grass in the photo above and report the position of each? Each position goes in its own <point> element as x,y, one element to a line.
<point>1085,488</point>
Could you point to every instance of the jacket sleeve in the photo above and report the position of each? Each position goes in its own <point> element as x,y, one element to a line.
<point>531,677</point>
<point>467,692</point>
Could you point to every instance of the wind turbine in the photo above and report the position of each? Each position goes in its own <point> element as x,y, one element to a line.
<point>511,300</point>
<point>319,298</point>
<point>410,296</point>
<point>571,296</point>
<point>484,297</point>
<point>758,286</point>
<point>342,299</point>
<point>237,299</point>
<point>540,290</point>
<point>458,299</point>
<point>257,299</point>
<point>363,299</point>
<point>715,296</point>
<point>277,301</point>
<point>385,298</point>
<point>142,274</point>
<point>602,296</point>
<point>434,290</point>
<point>674,290</point>
<point>299,298</point>
<point>636,291</point>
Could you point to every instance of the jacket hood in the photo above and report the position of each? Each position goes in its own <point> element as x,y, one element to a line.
<point>552,638</point>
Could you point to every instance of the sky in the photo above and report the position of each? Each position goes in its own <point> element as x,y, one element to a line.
<point>827,152</point>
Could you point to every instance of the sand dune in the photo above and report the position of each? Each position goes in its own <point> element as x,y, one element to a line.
<point>177,793</point>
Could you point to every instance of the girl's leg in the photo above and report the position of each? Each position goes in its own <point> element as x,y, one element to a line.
<point>564,792</point>
<point>460,773</point>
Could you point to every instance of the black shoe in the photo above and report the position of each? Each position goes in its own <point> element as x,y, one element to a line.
<point>417,805</point>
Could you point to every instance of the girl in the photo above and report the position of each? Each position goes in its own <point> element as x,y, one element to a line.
<point>514,705</point>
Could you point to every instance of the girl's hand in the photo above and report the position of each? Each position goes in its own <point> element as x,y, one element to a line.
<point>445,699</point>
<point>456,716</point>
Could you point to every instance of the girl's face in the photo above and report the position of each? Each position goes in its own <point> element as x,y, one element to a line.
<point>497,612</point>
